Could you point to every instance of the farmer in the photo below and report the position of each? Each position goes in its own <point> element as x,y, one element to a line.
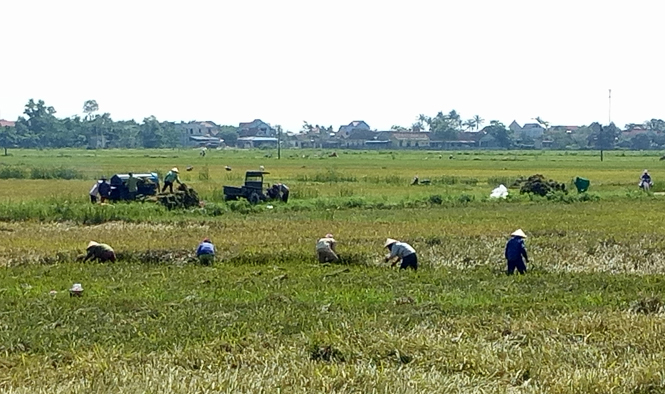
<point>206,252</point>
<point>132,186</point>
<point>171,176</point>
<point>100,252</point>
<point>401,251</point>
<point>279,190</point>
<point>515,251</point>
<point>104,190</point>
<point>94,192</point>
<point>325,249</point>
<point>645,179</point>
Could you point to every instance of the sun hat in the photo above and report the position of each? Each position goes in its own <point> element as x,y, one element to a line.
<point>174,169</point>
<point>77,288</point>
<point>389,242</point>
<point>518,233</point>
<point>329,235</point>
<point>91,244</point>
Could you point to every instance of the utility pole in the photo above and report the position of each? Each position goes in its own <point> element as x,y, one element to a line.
<point>279,142</point>
<point>609,108</point>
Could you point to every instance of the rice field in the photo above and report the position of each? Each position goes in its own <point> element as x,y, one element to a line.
<point>267,317</point>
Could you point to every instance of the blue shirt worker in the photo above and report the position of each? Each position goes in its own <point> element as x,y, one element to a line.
<point>206,252</point>
<point>171,176</point>
<point>401,251</point>
<point>516,253</point>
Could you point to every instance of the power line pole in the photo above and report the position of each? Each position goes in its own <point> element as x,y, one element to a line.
<point>609,108</point>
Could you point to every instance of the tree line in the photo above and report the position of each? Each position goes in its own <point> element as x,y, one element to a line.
<point>39,127</point>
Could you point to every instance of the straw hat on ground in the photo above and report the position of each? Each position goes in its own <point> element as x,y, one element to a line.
<point>91,244</point>
<point>389,242</point>
<point>518,233</point>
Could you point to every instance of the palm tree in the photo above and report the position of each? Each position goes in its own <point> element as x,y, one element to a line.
<point>470,124</point>
<point>478,120</point>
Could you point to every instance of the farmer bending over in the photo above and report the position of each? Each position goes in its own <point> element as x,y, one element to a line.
<point>100,252</point>
<point>515,251</point>
<point>206,252</point>
<point>325,249</point>
<point>401,251</point>
<point>171,176</point>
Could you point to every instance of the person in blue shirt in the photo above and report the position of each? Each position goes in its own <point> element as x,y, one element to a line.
<point>516,253</point>
<point>206,252</point>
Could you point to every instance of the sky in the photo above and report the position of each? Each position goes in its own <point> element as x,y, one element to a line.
<point>332,62</point>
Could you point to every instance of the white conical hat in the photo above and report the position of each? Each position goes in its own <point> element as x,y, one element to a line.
<point>389,241</point>
<point>92,243</point>
<point>518,233</point>
<point>174,169</point>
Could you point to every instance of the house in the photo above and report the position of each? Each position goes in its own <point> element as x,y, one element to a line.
<point>7,123</point>
<point>567,129</point>
<point>530,130</point>
<point>357,138</point>
<point>488,141</point>
<point>345,131</point>
<point>256,128</point>
<point>256,142</point>
<point>198,133</point>
<point>408,139</point>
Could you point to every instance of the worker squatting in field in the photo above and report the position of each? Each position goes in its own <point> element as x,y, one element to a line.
<point>99,252</point>
<point>205,252</point>
<point>325,249</point>
<point>401,251</point>
<point>516,255</point>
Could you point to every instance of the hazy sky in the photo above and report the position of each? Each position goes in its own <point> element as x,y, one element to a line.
<point>330,62</point>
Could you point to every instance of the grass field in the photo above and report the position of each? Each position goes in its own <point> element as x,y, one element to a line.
<point>588,318</point>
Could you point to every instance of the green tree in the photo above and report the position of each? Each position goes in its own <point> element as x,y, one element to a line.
<point>470,124</point>
<point>657,125</point>
<point>229,134</point>
<point>478,120</point>
<point>151,133</point>
<point>8,137</point>
<point>398,128</point>
<point>503,135</point>
<point>640,142</point>
<point>38,129</point>
<point>603,137</point>
<point>89,108</point>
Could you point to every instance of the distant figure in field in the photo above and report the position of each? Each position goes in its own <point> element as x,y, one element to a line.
<point>401,251</point>
<point>645,180</point>
<point>94,192</point>
<point>171,176</point>
<point>206,252</point>
<point>104,190</point>
<point>325,249</point>
<point>99,252</point>
<point>516,253</point>
<point>132,186</point>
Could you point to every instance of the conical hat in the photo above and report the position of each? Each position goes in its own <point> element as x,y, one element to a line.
<point>174,169</point>
<point>92,243</point>
<point>389,242</point>
<point>519,233</point>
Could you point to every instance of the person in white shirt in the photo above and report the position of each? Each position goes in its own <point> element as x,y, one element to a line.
<point>325,249</point>
<point>401,251</point>
<point>94,192</point>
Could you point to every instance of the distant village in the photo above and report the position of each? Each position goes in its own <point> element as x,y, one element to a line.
<point>359,135</point>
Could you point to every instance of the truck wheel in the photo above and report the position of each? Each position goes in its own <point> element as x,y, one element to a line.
<point>254,198</point>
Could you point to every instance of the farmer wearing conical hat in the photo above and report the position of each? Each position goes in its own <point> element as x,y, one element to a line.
<point>325,249</point>
<point>516,253</point>
<point>171,176</point>
<point>100,252</point>
<point>401,251</point>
